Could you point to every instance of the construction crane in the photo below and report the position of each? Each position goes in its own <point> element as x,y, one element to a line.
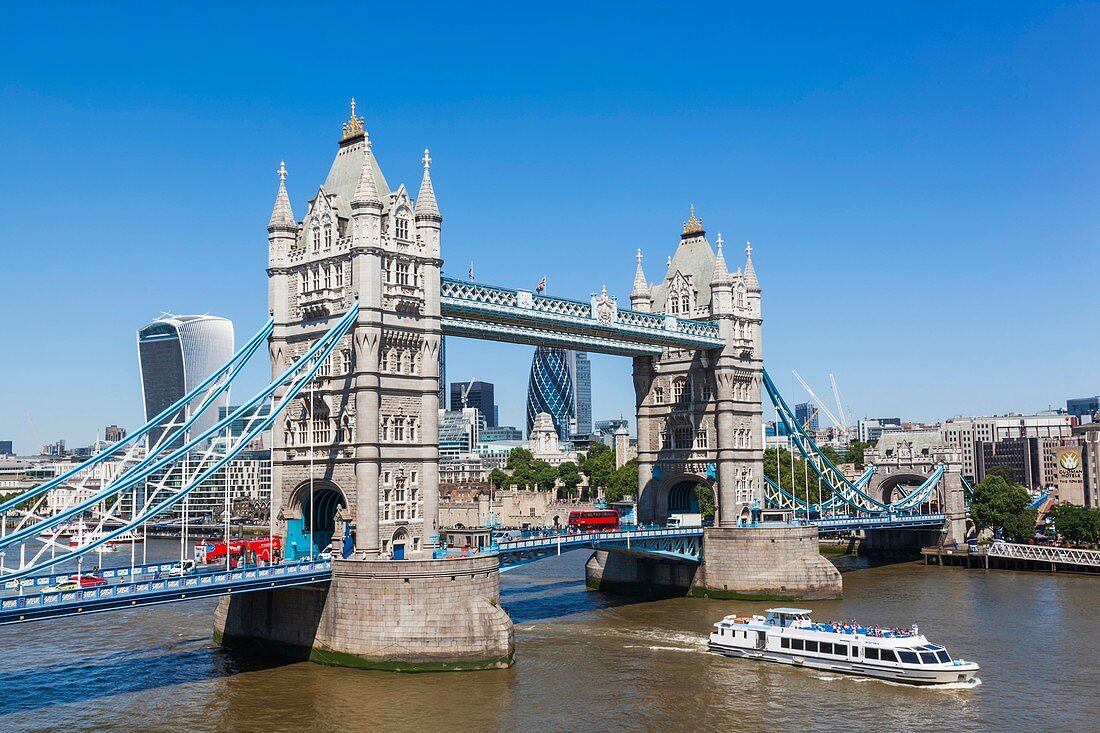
<point>466,392</point>
<point>820,404</point>
<point>844,415</point>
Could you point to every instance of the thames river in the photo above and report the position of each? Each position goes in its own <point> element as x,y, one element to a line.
<point>585,662</point>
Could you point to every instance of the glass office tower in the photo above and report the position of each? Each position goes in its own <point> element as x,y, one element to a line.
<point>175,354</point>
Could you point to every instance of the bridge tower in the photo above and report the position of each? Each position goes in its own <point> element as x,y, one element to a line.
<point>699,430</point>
<point>355,461</point>
<point>699,413</point>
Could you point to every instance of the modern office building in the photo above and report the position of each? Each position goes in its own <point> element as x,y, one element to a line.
<point>475,394</point>
<point>499,433</point>
<point>6,448</point>
<point>805,413</point>
<point>969,433</point>
<point>247,420</point>
<point>459,431</point>
<point>113,433</point>
<point>1083,406</point>
<point>873,428</point>
<point>581,373</point>
<point>175,354</point>
<point>550,390</point>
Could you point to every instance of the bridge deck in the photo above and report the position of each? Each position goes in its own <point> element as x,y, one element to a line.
<point>37,606</point>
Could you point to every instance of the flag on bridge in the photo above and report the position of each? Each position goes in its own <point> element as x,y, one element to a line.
<point>471,271</point>
<point>541,285</point>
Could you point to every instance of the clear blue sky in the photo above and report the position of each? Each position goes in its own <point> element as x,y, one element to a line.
<point>919,181</point>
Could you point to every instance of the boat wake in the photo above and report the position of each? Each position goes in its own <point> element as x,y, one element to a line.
<point>945,687</point>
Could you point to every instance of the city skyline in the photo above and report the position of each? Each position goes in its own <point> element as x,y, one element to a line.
<point>844,195</point>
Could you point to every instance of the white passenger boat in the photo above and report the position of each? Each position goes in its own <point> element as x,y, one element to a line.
<point>129,537</point>
<point>789,636</point>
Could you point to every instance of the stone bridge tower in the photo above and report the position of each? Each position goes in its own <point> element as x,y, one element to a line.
<point>365,438</point>
<point>359,452</point>
<point>699,413</point>
<point>699,425</point>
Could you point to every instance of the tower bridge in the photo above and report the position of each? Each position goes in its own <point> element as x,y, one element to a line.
<point>358,311</point>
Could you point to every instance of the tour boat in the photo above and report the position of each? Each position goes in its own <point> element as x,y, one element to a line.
<point>66,529</point>
<point>787,635</point>
<point>129,537</point>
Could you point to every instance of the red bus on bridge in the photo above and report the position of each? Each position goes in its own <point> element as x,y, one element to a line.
<point>594,520</point>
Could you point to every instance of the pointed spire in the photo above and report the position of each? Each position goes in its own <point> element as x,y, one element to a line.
<point>721,273</point>
<point>641,285</point>
<point>752,285</point>
<point>426,205</point>
<point>366,191</point>
<point>282,215</point>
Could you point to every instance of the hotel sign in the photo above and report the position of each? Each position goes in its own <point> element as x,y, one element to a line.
<point>1071,477</point>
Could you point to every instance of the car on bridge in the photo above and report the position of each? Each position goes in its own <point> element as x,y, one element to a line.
<point>87,581</point>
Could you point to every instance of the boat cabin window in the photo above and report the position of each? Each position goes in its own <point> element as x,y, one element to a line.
<point>927,657</point>
<point>785,618</point>
<point>887,655</point>
<point>826,647</point>
<point>908,657</point>
<point>797,644</point>
<point>841,649</point>
<point>785,643</point>
<point>943,656</point>
<point>811,646</point>
<point>870,652</point>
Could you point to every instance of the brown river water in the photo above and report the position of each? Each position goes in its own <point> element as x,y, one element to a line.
<point>586,662</point>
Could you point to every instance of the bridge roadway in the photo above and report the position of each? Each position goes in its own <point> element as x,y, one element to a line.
<point>31,599</point>
<point>58,604</point>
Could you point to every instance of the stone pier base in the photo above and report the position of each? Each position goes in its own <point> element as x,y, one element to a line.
<point>765,563</point>
<point>631,575</point>
<point>401,615</point>
<point>773,563</point>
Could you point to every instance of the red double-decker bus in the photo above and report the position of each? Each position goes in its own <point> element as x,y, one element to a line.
<point>594,520</point>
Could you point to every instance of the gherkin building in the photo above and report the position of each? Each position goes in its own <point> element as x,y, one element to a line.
<point>550,389</point>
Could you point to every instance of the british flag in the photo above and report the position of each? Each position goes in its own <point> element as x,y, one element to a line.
<point>541,286</point>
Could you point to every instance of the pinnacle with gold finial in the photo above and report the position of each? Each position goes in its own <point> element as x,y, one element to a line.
<point>354,126</point>
<point>693,225</point>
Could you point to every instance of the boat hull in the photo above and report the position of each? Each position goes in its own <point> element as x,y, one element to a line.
<point>947,674</point>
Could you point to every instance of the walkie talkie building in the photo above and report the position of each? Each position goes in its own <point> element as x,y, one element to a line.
<point>175,354</point>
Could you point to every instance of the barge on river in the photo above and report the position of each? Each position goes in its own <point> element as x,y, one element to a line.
<point>789,636</point>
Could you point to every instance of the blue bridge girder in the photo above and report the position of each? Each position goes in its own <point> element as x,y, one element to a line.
<point>38,606</point>
<point>519,316</point>
<point>678,543</point>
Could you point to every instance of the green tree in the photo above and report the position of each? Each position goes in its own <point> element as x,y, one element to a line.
<point>831,453</point>
<point>623,481</point>
<point>854,454</point>
<point>707,505</point>
<point>570,477</point>
<point>518,457</point>
<point>1077,523</point>
<point>543,475</point>
<point>1008,473</point>
<point>802,482</point>
<point>499,478</point>
<point>997,504</point>
<point>598,466</point>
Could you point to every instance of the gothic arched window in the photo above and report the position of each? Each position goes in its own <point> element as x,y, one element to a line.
<point>316,235</point>
<point>674,302</point>
<point>401,226</point>
<point>685,306</point>
<point>328,234</point>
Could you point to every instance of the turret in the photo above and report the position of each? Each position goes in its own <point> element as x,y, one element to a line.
<point>282,230</point>
<point>721,285</point>
<point>427,216</point>
<point>752,285</point>
<point>640,297</point>
<point>366,204</point>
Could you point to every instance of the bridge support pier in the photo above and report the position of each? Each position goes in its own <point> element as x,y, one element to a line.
<point>765,563</point>
<point>400,615</point>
